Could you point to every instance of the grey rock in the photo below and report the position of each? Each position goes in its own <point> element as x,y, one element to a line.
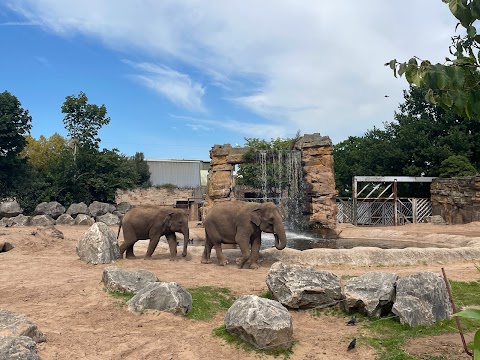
<point>10,208</point>
<point>163,296</point>
<point>49,231</point>
<point>13,324</point>
<point>65,219</point>
<point>109,219</point>
<point>123,207</point>
<point>97,208</point>
<point>52,208</point>
<point>18,348</point>
<point>77,208</point>
<point>5,246</point>
<point>372,294</point>
<point>7,222</point>
<point>435,219</point>
<point>264,323</point>
<point>98,245</point>
<point>297,286</point>
<point>422,299</point>
<point>83,219</point>
<point>42,220</point>
<point>22,220</point>
<point>116,279</point>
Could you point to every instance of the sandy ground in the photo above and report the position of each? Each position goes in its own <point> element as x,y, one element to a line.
<point>43,278</point>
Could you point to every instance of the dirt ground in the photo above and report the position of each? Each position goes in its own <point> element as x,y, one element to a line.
<point>43,278</point>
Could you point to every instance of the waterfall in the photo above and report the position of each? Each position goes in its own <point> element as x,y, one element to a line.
<point>281,181</point>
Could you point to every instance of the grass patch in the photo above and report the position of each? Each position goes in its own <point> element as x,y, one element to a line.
<point>122,298</point>
<point>207,301</point>
<point>245,346</point>
<point>388,336</point>
<point>266,295</point>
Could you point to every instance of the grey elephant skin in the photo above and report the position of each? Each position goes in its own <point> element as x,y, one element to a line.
<point>239,222</point>
<point>151,222</point>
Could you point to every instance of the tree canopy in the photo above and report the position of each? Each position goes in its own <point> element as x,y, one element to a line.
<point>454,84</point>
<point>416,143</point>
<point>83,120</point>
<point>47,169</point>
<point>15,124</point>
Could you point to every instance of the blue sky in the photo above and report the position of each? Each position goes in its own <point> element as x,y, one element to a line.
<point>178,76</point>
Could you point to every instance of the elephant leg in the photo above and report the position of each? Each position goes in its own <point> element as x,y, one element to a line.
<point>151,247</point>
<point>222,259</point>
<point>129,254</point>
<point>172,244</point>
<point>255,253</point>
<point>207,250</point>
<point>128,248</point>
<point>245,248</point>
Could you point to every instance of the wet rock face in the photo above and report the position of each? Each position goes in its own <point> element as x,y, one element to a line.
<point>264,323</point>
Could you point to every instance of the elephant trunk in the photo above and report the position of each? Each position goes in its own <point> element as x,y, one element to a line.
<point>186,238</point>
<point>280,237</point>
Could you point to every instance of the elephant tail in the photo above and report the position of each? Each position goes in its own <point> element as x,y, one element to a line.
<point>119,227</point>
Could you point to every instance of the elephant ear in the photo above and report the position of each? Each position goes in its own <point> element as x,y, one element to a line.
<point>256,219</point>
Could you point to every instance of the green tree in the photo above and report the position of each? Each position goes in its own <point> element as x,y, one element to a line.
<point>454,84</point>
<point>83,120</point>
<point>40,152</point>
<point>142,169</point>
<point>455,166</point>
<point>14,126</point>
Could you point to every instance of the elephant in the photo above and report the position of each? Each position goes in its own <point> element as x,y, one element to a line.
<point>240,222</point>
<point>151,222</point>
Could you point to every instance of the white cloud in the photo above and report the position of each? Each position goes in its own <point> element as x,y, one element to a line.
<point>310,65</point>
<point>175,86</point>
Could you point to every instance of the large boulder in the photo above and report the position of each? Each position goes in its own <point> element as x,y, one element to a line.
<point>22,220</point>
<point>97,208</point>
<point>65,219</point>
<point>42,220</point>
<point>10,208</point>
<point>123,207</point>
<point>13,324</point>
<point>83,219</point>
<point>53,208</point>
<point>163,296</point>
<point>264,323</point>
<point>18,348</point>
<point>109,219</point>
<point>6,222</point>
<point>422,299</point>
<point>372,294</point>
<point>297,286</point>
<point>116,279</point>
<point>98,245</point>
<point>77,208</point>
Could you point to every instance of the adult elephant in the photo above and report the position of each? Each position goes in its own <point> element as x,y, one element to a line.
<point>151,222</point>
<point>239,222</point>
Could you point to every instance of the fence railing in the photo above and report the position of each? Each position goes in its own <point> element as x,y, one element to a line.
<point>382,212</point>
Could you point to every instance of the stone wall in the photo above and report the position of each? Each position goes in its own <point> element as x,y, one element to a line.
<point>152,196</point>
<point>456,200</point>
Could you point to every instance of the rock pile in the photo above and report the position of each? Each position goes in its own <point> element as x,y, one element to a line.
<point>51,213</point>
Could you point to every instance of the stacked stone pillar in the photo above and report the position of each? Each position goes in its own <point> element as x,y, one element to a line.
<point>319,180</point>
